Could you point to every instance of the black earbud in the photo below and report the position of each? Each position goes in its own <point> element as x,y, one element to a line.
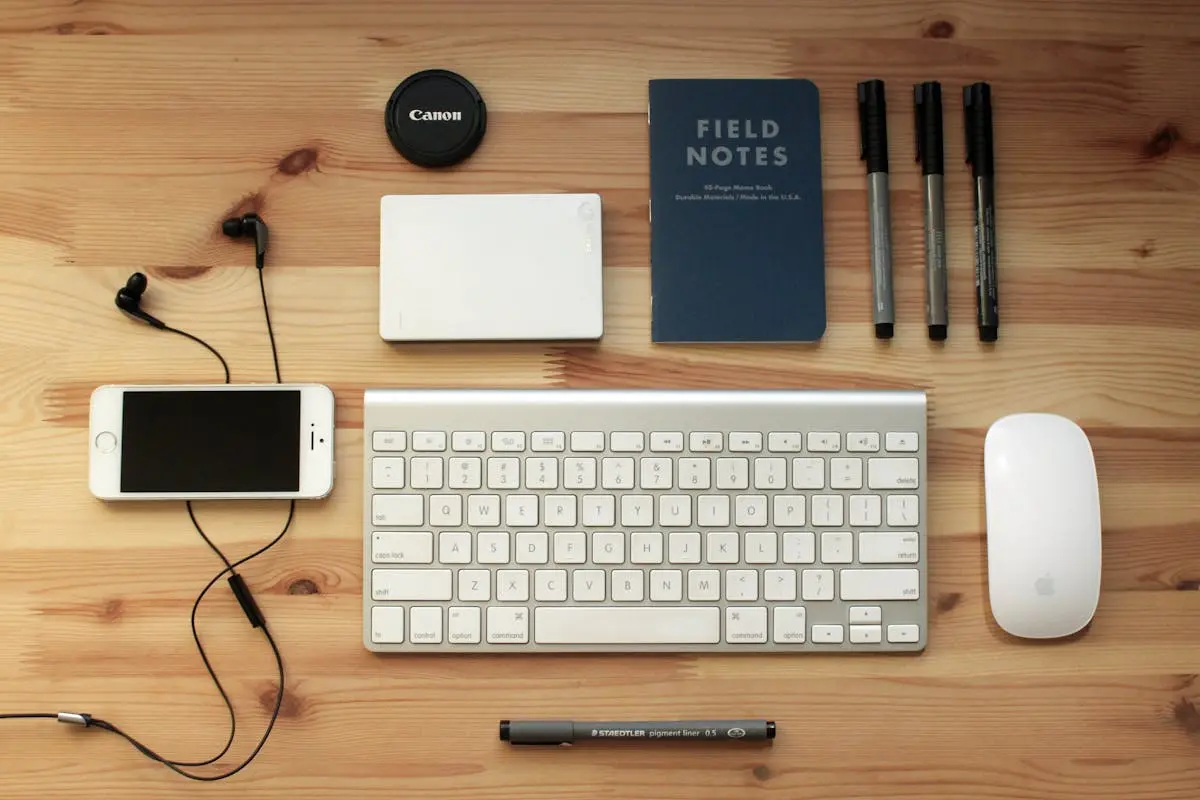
<point>249,225</point>
<point>129,300</point>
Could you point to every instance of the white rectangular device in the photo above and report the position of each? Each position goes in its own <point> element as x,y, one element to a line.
<point>211,441</point>
<point>475,267</point>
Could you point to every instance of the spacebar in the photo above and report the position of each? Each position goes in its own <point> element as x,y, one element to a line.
<point>641,625</point>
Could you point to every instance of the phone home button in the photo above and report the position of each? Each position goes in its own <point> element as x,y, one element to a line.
<point>106,442</point>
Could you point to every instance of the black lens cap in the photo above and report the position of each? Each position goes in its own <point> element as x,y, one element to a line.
<point>436,118</point>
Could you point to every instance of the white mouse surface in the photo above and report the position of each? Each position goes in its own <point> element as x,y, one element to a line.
<point>1043,525</point>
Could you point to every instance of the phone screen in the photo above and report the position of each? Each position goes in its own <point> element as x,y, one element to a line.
<point>210,441</point>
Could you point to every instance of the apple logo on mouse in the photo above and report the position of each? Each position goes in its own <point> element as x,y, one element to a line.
<point>1044,585</point>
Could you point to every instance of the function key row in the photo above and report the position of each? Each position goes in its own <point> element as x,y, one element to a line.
<point>636,442</point>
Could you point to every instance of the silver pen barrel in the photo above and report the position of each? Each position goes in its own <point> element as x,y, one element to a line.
<point>880,214</point>
<point>936,296</point>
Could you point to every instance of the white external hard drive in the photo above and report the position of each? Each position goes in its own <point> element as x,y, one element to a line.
<point>472,267</point>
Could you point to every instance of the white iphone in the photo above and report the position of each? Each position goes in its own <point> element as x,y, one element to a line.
<point>214,441</point>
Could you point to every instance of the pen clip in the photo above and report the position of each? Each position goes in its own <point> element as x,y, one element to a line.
<point>968,122</point>
<point>862,121</point>
<point>919,121</point>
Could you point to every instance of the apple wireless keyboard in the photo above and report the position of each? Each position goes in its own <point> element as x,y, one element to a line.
<point>560,520</point>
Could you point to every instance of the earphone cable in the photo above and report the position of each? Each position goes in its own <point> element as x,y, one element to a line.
<point>262,286</point>
<point>206,345</point>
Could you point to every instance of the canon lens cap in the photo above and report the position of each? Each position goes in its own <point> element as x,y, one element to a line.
<point>436,118</point>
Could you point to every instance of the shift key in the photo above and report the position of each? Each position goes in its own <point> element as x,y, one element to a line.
<point>881,584</point>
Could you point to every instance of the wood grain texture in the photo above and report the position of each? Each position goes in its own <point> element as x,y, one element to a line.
<point>128,130</point>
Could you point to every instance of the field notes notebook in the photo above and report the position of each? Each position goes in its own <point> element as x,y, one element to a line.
<point>737,246</point>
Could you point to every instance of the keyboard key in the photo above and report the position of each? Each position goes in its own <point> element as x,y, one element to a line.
<point>808,473</point>
<point>548,442</point>
<point>779,585</point>
<point>429,441</point>
<point>817,584</point>
<point>532,547</point>
<point>454,547</point>
<point>541,473</point>
<point>785,442</point>
<point>683,547</point>
<point>579,473</point>
<point>655,473</point>
<point>741,585</point>
<point>901,442</point>
<point>761,547</point>
<point>666,442</point>
<point>888,547</point>
<point>474,585</point>
<point>410,584</point>
<point>865,510</point>
<point>628,585</point>
<point>508,441</point>
<point>570,547</point>
<point>504,473</point>
<point>483,510</point>
<point>425,472</point>
<point>627,441</point>
<point>559,510</point>
<point>646,547</point>
<point>865,634</point>
<point>695,473</point>
<point>507,625</point>
<point>706,442</point>
<point>387,473</point>
<point>826,510</point>
<point>608,547</point>
<point>493,547</point>
<point>845,473</point>
<point>722,547</point>
<point>837,547</point>
<point>902,510</point>
<point>587,441</point>
<point>745,625</point>
<point>712,510</point>
<point>880,584</point>
<point>402,548</point>
<point>550,585</point>
<point>512,585</point>
<point>637,510</point>
<point>666,585</point>
<point>616,473</point>
<point>799,547</point>
<point>462,625</point>
<point>630,625</point>
<point>891,473</point>
<point>599,511</point>
<point>465,473</point>
<point>866,615</point>
<point>587,585</point>
<point>425,625</point>
<point>904,633</point>
<point>674,510</point>
<point>389,441</point>
<point>704,584</point>
<point>750,510</point>
<point>521,510</point>
<point>789,625</point>
<point>468,441</point>
<point>445,510</point>
<point>828,634</point>
<point>733,473</point>
<point>745,442</point>
<point>819,442</point>
<point>399,510</point>
<point>387,624</point>
<point>862,442</point>
<point>770,473</point>
<point>788,510</point>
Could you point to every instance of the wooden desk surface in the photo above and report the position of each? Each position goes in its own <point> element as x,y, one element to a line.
<point>129,130</point>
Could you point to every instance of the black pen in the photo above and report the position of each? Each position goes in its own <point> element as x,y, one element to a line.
<point>927,110</point>
<point>873,148</point>
<point>977,114</point>
<point>557,731</point>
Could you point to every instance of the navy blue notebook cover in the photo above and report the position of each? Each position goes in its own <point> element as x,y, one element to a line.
<point>737,246</point>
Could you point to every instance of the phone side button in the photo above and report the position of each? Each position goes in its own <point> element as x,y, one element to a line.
<point>106,442</point>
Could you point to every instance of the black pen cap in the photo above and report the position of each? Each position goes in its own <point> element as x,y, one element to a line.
<point>872,122</point>
<point>977,117</point>
<point>927,110</point>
